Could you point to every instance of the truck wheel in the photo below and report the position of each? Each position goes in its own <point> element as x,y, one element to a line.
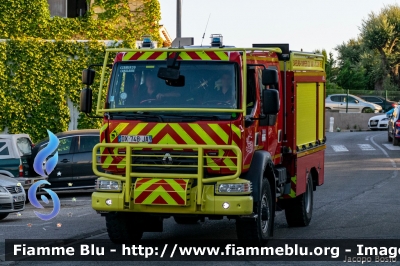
<point>3,215</point>
<point>259,229</point>
<point>298,211</point>
<point>121,227</point>
<point>186,220</point>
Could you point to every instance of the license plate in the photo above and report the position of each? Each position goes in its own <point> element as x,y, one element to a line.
<point>374,123</point>
<point>135,139</point>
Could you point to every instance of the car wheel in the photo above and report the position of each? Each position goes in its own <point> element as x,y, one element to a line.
<point>395,141</point>
<point>3,215</point>
<point>367,110</point>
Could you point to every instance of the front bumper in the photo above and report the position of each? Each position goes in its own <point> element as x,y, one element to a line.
<point>12,202</point>
<point>377,124</point>
<point>211,204</point>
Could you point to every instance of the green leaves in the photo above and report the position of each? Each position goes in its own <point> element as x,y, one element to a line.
<point>37,76</point>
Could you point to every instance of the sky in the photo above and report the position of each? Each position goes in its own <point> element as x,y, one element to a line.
<point>306,24</point>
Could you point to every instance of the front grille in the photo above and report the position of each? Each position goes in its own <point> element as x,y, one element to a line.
<point>19,205</point>
<point>5,206</point>
<point>164,161</point>
<point>164,158</point>
<point>14,189</point>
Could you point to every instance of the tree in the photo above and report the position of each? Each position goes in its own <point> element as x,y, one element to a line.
<point>381,33</point>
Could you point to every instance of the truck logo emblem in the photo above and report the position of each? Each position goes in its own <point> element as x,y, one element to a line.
<point>167,159</point>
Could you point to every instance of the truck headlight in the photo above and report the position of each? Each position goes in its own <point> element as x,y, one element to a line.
<point>108,185</point>
<point>233,188</point>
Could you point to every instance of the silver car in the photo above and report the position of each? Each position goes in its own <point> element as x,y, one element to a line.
<point>337,102</point>
<point>12,196</point>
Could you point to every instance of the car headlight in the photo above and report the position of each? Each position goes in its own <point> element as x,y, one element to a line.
<point>3,189</point>
<point>108,185</point>
<point>233,188</point>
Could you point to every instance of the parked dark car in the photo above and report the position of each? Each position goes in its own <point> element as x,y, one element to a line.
<point>385,103</point>
<point>74,167</point>
<point>394,127</point>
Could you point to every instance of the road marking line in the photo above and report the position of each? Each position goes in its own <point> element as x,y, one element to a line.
<point>391,147</point>
<point>366,147</point>
<point>339,148</point>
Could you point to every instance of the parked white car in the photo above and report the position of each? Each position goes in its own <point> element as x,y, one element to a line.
<point>12,196</point>
<point>337,102</point>
<point>380,121</point>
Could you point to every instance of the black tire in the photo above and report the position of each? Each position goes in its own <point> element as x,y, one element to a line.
<point>396,141</point>
<point>260,229</point>
<point>298,211</point>
<point>390,139</point>
<point>186,220</point>
<point>367,110</point>
<point>121,227</point>
<point>3,215</point>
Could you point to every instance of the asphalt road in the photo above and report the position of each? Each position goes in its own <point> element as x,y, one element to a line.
<point>358,200</point>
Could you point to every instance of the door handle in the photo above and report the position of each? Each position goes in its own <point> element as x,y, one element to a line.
<point>65,161</point>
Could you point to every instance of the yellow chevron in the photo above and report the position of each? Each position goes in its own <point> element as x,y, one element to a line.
<point>205,137</point>
<point>220,132</point>
<point>203,56</point>
<point>185,56</point>
<point>182,133</point>
<point>128,55</point>
<point>139,127</point>
<point>222,55</point>
<point>145,55</point>
<point>117,130</point>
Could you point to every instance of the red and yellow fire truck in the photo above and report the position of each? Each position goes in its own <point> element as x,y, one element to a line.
<point>208,132</point>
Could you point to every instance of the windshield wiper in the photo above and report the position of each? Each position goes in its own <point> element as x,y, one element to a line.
<point>137,116</point>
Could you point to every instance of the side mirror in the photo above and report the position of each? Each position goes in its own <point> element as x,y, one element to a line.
<point>86,101</point>
<point>269,77</point>
<point>168,73</point>
<point>180,82</point>
<point>356,101</point>
<point>88,76</point>
<point>270,101</point>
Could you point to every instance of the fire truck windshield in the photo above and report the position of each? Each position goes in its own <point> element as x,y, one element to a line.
<point>207,85</point>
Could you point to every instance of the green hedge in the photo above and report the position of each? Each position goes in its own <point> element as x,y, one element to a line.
<point>37,76</point>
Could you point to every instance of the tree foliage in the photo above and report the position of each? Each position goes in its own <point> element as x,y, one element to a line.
<point>37,76</point>
<point>372,60</point>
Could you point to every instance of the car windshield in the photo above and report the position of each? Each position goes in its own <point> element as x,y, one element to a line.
<point>206,85</point>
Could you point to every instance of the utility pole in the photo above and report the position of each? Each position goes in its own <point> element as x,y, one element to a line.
<point>178,18</point>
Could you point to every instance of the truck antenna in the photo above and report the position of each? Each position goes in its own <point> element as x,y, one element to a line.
<point>205,30</point>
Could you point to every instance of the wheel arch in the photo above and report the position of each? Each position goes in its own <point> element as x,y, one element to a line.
<point>261,166</point>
